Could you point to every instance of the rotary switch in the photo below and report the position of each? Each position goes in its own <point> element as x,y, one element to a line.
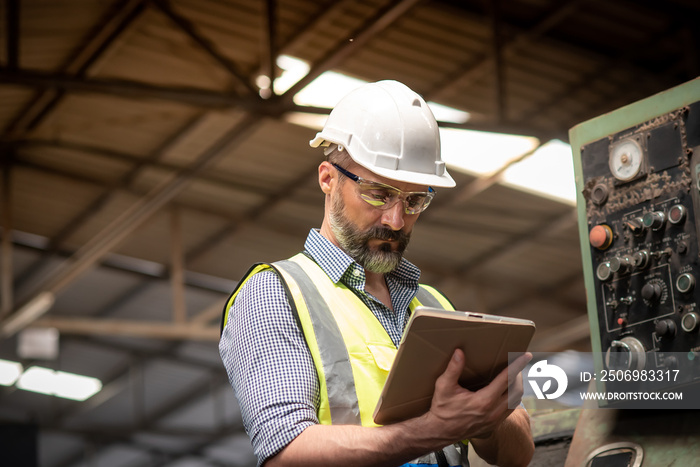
<point>651,292</point>
<point>665,328</point>
<point>626,354</point>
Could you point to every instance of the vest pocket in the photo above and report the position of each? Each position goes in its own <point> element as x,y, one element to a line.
<point>383,355</point>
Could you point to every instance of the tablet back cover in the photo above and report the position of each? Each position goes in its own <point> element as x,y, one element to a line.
<point>427,348</point>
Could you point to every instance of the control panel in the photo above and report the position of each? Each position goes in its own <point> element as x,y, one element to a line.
<point>639,210</point>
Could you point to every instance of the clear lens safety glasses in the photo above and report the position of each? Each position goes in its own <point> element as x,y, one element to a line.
<point>385,197</point>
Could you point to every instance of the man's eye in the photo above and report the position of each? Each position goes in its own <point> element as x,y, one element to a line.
<point>380,195</point>
<point>415,200</point>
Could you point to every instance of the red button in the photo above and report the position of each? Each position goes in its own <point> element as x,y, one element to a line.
<point>601,236</point>
<point>621,321</point>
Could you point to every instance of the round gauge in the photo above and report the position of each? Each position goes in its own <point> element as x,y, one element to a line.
<point>626,160</point>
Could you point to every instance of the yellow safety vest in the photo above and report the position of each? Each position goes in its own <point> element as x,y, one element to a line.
<point>351,350</point>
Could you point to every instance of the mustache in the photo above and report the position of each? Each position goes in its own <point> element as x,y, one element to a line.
<point>389,235</point>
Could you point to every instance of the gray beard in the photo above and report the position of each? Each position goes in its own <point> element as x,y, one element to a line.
<point>356,243</point>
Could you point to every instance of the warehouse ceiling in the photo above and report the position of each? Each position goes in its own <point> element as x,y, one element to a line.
<point>144,172</point>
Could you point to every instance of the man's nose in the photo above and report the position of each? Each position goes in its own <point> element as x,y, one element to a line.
<point>393,217</point>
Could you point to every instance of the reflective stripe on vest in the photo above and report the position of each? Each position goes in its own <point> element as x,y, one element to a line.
<point>335,361</point>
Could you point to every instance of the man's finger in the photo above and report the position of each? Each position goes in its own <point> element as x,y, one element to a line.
<point>518,365</point>
<point>501,382</point>
<point>454,367</point>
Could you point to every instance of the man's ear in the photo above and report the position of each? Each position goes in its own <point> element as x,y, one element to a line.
<point>326,177</point>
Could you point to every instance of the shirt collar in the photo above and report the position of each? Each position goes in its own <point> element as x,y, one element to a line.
<point>336,263</point>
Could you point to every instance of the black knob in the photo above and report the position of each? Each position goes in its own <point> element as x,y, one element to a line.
<point>651,292</point>
<point>665,328</point>
<point>671,362</point>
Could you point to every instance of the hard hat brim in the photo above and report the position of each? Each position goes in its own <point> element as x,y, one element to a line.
<point>433,180</point>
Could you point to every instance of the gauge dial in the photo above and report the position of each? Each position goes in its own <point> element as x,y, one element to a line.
<point>625,160</point>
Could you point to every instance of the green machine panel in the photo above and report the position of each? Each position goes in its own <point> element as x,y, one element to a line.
<point>639,223</point>
<point>638,199</point>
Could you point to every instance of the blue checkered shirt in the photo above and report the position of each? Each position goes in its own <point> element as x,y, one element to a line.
<point>265,353</point>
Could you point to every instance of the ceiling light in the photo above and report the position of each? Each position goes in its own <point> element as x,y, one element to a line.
<point>9,372</point>
<point>59,383</point>
<point>75,387</point>
<point>37,379</point>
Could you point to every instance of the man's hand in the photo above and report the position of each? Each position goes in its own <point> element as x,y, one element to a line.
<point>482,416</point>
<point>456,414</point>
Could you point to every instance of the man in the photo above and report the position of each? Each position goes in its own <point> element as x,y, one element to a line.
<point>307,342</point>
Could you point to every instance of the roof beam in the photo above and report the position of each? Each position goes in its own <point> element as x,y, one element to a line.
<point>189,28</point>
<point>254,213</point>
<point>177,267</point>
<point>78,220</point>
<point>493,7</point>
<point>92,251</point>
<point>12,11</point>
<point>6,276</point>
<point>117,327</point>
<point>129,89</point>
<point>358,38</point>
<point>122,14</point>
<point>471,72</point>
<point>606,67</point>
<point>269,46</point>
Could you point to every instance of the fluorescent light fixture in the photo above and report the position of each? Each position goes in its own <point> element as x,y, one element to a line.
<point>59,383</point>
<point>9,372</point>
<point>549,172</point>
<point>37,379</point>
<point>75,387</point>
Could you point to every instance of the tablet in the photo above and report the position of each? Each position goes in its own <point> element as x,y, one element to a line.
<point>430,339</point>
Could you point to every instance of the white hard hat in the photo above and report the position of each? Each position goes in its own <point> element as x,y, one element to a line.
<point>389,129</point>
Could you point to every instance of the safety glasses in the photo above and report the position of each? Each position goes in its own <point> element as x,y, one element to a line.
<point>384,197</point>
